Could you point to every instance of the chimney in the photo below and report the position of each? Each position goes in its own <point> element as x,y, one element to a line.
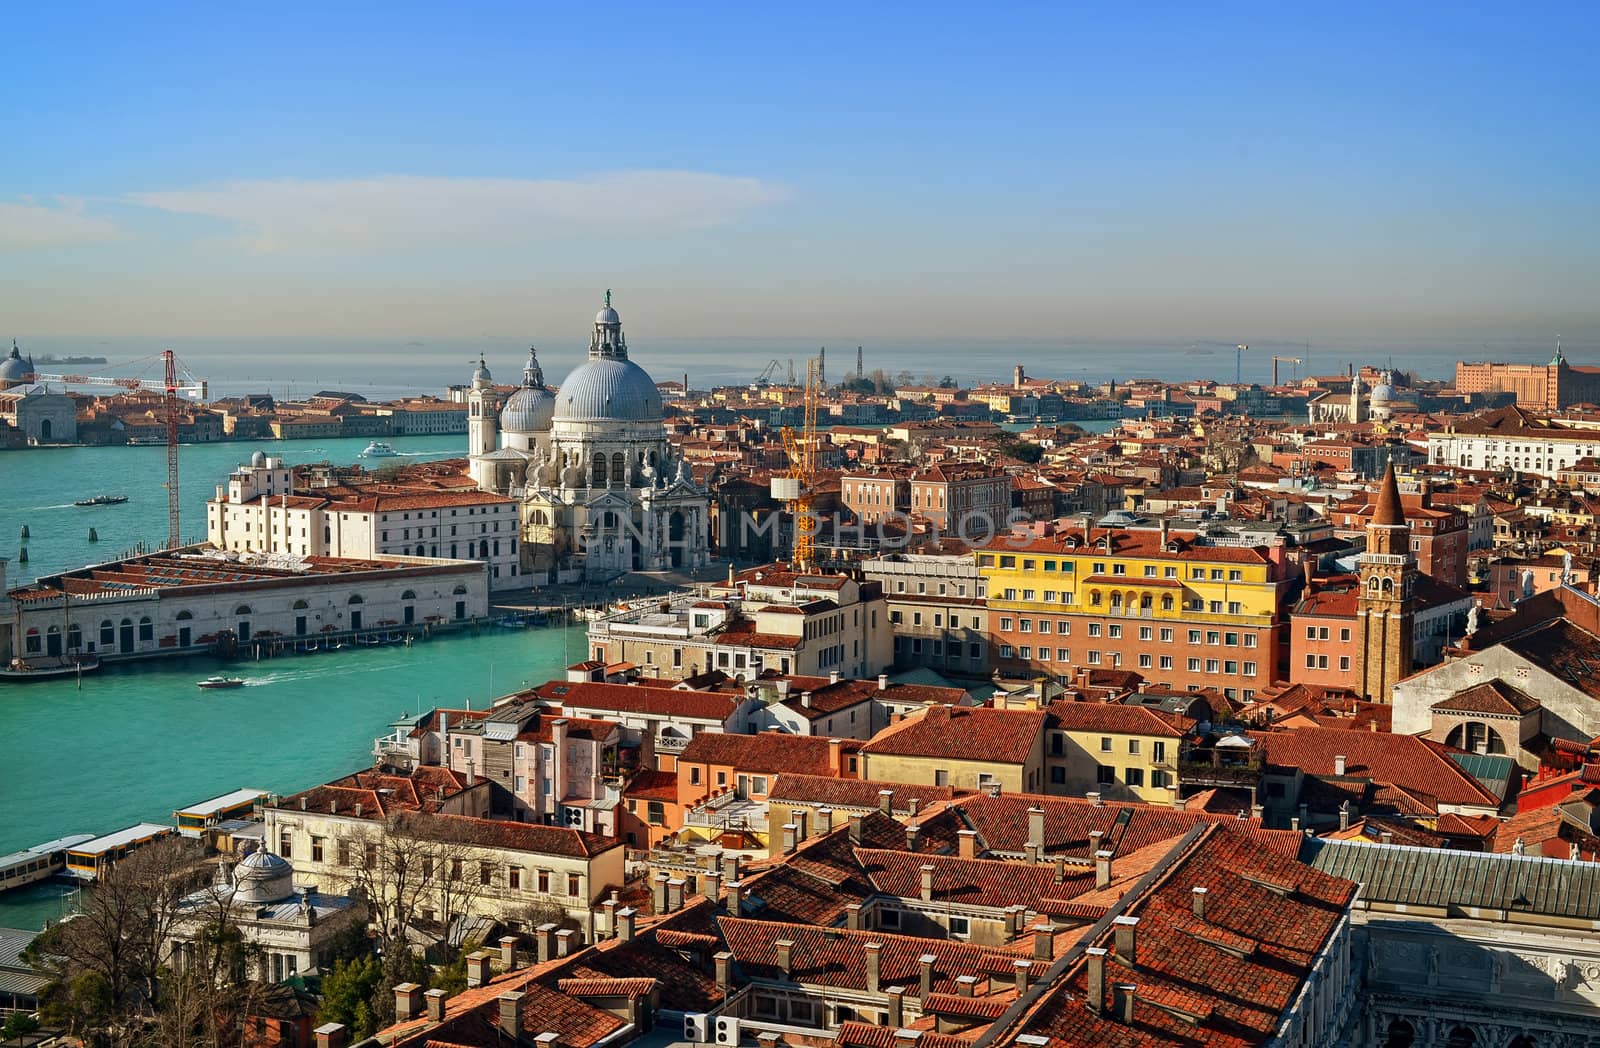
<point>711,888</point>
<point>1096,799</point>
<point>886,802</point>
<point>658,896</point>
<point>1023,969</point>
<point>1044,942</point>
<point>479,971</point>
<point>802,821</point>
<point>723,962</point>
<point>785,949</point>
<point>913,831</point>
<point>547,1040</point>
<point>545,934</point>
<point>1338,764</point>
<point>358,809</point>
<point>330,1035</point>
<point>927,882</point>
<point>566,939</point>
<point>1096,995</point>
<point>805,699</point>
<point>1344,815</point>
<point>1257,811</point>
<point>1095,837</point>
<point>790,832</point>
<point>1123,1004</point>
<point>965,985</point>
<point>1035,844</point>
<point>736,898</point>
<point>967,844</point>
<point>472,776</point>
<point>912,806</point>
<point>855,829</point>
<point>925,981</point>
<point>407,1002</point>
<point>883,682</point>
<point>625,918</point>
<point>508,952</point>
<point>824,821</point>
<point>730,866</point>
<point>1061,869</point>
<point>871,959</point>
<point>1386,837</point>
<point>852,916</point>
<point>511,1014</point>
<point>1102,869</point>
<point>302,802</point>
<point>435,1001</point>
<point>1127,941</point>
<point>833,676</point>
<point>1199,894</point>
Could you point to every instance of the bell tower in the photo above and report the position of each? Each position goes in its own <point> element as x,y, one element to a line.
<point>481,424</point>
<point>1384,610</point>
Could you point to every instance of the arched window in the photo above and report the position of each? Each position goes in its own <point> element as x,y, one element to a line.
<point>598,478</point>
<point>539,518</point>
<point>301,605</point>
<point>243,609</point>
<point>483,549</point>
<point>409,595</point>
<point>355,598</point>
<point>1472,734</point>
<point>619,469</point>
<point>1401,1035</point>
<point>1116,601</point>
<point>147,629</point>
<point>459,590</point>
<point>1166,602</point>
<point>74,636</point>
<point>184,616</point>
<point>608,520</point>
<point>108,633</point>
<point>1461,1037</point>
<point>1388,585</point>
<point>1094,597</point>
<point>1372,584</point>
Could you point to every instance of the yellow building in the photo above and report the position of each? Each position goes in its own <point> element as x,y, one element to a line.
<point>963,747</point>
<point>1175,608</point>
<point>1123,753</point>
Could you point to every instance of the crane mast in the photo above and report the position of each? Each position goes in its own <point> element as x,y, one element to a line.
<point>794,488</point>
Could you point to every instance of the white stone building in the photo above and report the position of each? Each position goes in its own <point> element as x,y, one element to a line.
<point>602,492</point>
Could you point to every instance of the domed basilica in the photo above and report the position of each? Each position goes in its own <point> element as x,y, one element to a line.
<point>601,490</point>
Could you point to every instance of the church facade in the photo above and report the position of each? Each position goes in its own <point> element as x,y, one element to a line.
<point>601,491</point>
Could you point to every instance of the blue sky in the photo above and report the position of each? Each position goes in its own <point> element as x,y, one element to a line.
<point>898,170</point>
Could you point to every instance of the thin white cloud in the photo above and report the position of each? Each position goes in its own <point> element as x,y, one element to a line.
<point>409,211</point>
<point>28,224</point>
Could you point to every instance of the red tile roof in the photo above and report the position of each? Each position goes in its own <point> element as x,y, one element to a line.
<point>1117,719</point>
<point>638,698</point>
<point>859,794</point>
<point>1002,823</point>
<point>1406,762</point>
<point>964,733</point>
<point>971,882</point>
<point>770,752</point>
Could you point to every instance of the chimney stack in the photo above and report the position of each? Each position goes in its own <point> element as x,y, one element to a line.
<point>965,985</point>
<point>1096,799</point>
<point>873,963</point>
<point>785,949</point>
<point>886,802</point>
<point>330,1035</point>
<point>511,1014</point>
<point>967,844</point>
<point>658,896</point>
<point>508,952</point>
<point>1127,941</point>
<point>730,867</point>
<point>566,939</point>
<point>723,962</point>
<point>895,998</point>
<point>1102,869</point>
<point>852,917</point>
<point>802,821</point>
<point>790,833</point>
<point>675,884</point>
<point>855,829</point>
<point>1124,1003</point>
<point>1338,764</point>
<point>407,1002</point>
<point>1035,843</point>
<point>1044,942</point>
<point>1199,894</point>
<point>824,821</point>
<point>545,935</point>
<point>913,831</point>
<point>736,898</point>
<point>1096,995</point>
<point>1024,969</point>
<point>925,979</point>
<point>927,881</point>
<point>479,971</point>
<point>883,682</point>
<point>435,1001</point>
<point>625,919</point>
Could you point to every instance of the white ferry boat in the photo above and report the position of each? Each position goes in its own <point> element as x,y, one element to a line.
<point>379,450</point>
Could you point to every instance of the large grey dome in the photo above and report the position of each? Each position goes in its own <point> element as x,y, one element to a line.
<point>14,368</point>
<point>263,877</point>
<point>529,410</point>
<point>609,388</point>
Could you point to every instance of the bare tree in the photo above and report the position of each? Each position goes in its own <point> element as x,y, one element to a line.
<point>416,868</point>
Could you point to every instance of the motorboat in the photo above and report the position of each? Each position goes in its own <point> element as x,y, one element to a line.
<point>102,500</point>
<point>221,682</point>
<point>379,450</point>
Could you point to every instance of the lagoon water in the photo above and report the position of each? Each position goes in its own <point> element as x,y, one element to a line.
<point>139,740</point>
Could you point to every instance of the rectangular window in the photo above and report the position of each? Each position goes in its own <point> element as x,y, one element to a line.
<point>485,873</point>
<point>1063,654</point>
<point>1044,625</point>
<point>285,844</point>
<point>543,881</point>
<point>1005,625</point>
<point>1105,744</point>
<point>960,927</point>
<point>1006,651</point>
<point>1158,752</point>
<point>1249,669</point>
<point>1235,608</point>
<point>344,853</point>
<point>1166,662</point>
<point>1344,634</point>
<point>1116,631</point>
<point>1133,776</point>
<point>1213,637</point>
<point>1229,666</point>
<point>574,884</point>
<point>1212,666</point>
<point>1344,662</point>
<point>1194,665</point>
<point>1146,633</point>
<point>316,849</point>
<point>1166,634</point>
<point>514,877</point>
<point>1094,629</point>
<point>1145,662</point>
<point>1105,775</point>
<point>1194,636</point>
<point>1094,658</point>
<point>941,777</point>
<point>1024,625</point>
<point>1025,652</point>
<point>1133,745</point>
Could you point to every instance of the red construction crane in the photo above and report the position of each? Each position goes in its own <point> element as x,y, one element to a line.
<point>170,388</point>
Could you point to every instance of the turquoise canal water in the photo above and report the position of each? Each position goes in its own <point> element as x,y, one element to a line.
<point>140,740</point>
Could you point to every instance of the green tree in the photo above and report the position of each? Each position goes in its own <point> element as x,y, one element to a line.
<point>18,1024</point>
<point>347,994</point>
<point>452,978</point>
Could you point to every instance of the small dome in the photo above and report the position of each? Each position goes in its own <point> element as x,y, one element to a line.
<point>258,460</point>
<point>14,368</point>
<point>263,877</point>
<point>1382,393</point>
<point>609,388</point>
<point>529,410</point>
<point>481,374</point>
<point>607,316</point>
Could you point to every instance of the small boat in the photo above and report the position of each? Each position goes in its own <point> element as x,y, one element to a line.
<point>102,500</point>
<point>221,682</point>
<point>513,622</point>
<point>379,450</point>
<point>35,667</point>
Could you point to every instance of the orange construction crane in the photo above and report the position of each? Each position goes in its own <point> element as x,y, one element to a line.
<point>794,488</point>
<point>169,387</point>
